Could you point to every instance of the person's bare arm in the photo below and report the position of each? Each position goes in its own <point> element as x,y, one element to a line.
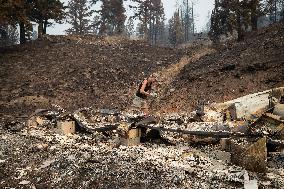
<point>142,90</point>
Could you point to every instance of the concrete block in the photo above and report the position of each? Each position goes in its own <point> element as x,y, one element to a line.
<point>279,110</point>
<point>130,142</point>
<point>249,184</point>
<point>66,127</point>
<point>134,133</point>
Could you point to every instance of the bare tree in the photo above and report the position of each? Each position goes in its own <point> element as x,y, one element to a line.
<point>187,16</point>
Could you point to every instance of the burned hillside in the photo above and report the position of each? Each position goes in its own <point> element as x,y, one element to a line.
<point>233,70</point>
<point>76,72</point>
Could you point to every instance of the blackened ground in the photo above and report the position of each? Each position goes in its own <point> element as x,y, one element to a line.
<point>234,70</point>
<point>76,72</point>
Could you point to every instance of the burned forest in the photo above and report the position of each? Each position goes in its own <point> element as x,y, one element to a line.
<point>128,97</point>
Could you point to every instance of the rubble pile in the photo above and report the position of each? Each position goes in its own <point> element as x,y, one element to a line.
<point>176,151</point>
<point>93,119</point>
<point>43,158</point>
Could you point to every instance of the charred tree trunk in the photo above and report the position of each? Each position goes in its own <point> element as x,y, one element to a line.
<point>254,22</point>
<point>254,16</point>
<point>239,27</point>
<point>22,33</point>
<point>145,23</point>
<point>40,28</point>
<point>44,26</point>
<point>275,11</point>
<point>102,28</point>
<point>155,32</point>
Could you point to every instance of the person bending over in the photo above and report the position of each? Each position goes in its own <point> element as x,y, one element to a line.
<point>144,91</point>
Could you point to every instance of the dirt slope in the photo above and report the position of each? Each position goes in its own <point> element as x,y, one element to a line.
<point>234,70</point>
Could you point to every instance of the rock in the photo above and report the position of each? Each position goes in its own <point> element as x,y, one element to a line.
<point>249,184</point>
<point>42,146</point>
<point>172,90</point>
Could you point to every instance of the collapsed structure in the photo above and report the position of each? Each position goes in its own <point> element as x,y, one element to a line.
<point>257,119</point>
<point>231,143</point>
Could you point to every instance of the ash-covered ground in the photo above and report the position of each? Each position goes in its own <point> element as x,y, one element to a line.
<point>42,158</point>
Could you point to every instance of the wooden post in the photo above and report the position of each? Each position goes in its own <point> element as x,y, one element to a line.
<point>66,127</point>
<point>132,138</point>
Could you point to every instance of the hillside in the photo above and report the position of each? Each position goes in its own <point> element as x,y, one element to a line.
<point>76,72</point>
<point>231,71</point>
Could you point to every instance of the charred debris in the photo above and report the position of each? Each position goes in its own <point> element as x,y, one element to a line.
<point>238,143</point>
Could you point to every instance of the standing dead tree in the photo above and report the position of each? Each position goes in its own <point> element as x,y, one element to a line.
<point>187,17</point>
<point>175,29</point>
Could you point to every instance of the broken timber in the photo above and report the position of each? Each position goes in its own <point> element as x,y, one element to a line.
<point>106,120</point>
<point>202,129</point>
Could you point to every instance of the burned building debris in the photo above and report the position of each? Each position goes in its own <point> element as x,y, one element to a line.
<point>234,145</point>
